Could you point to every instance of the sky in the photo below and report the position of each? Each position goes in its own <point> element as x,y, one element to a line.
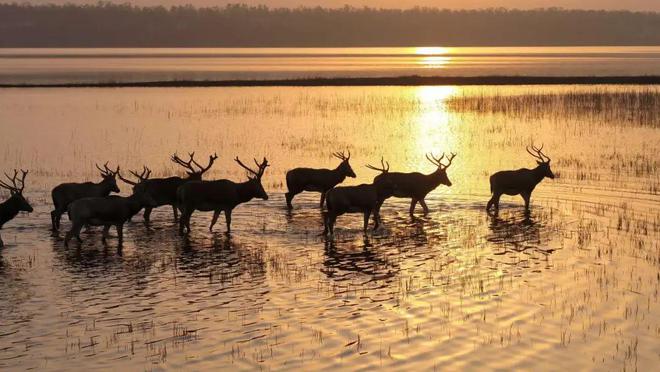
<point>652,5</point>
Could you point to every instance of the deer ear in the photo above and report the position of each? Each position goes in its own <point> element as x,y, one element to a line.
<point>539,162</point>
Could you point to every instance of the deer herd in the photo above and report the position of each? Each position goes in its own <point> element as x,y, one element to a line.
<point>90,204</point>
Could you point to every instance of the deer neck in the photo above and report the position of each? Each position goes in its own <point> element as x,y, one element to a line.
<point>244,192</point>
<point>338,175</point>
<point>539,174</point>
<point>105,187</point>
<point>8,210</point>
<point>434,178</point>
<point>134,203</point>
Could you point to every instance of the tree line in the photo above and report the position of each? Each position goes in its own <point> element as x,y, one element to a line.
<point>126,25</point>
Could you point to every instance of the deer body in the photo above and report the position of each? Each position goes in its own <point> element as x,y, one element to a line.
<point>64,194</point>
<point>365,199</point>
<point>317,180</point>
<point>519,182</point>
<point>163,190</point>
<point>218,196</point>
<point>16,203</point>
<point>416,185</point>
<point>105,211</point>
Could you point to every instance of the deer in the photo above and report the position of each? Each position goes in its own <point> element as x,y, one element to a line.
<point>163,190</point>
<point>66,193</point>
<point>317,180</point>
<point>521,181</point>
<point>219,195</point>
<point>364,198</point>
<point>416,185</point>
<point>16,203</point>
<point>106,211</point>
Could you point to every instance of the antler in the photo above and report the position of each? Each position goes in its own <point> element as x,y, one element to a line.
<point>186,164</point>
<point>435,161</point>
<point>202,170</point>
<point>146,172</point>
<point>341,155</point>
<point>449,159</point>
<point>189,164</point>
<point>538,154</point>
<point>438,161</point>
<point>13,188</point>
<point>107,172</point>
<point>383,169</point>
<point>262,167</point>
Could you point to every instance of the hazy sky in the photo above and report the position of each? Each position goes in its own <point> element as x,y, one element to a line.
<point>653,5</point>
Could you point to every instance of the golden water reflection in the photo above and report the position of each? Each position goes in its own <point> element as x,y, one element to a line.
<point>574,285</point>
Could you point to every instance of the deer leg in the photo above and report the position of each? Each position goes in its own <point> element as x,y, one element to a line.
<point>147,214</point>
<point>495,200</point>
<point>106,229</point>
<point>289,198</point>
<point>53,219</point>
<point>413,203</point>
<point>176,213</point>
<point>216,214</point>
<point>75,231</point>
<point>423,204</point>
<point>367,214</point>
<point>184,222</point>
<point>322,199</point>
<point>526,197</point>
<point>228,220</point>
<point>120,234</point>
<point>377,216</point>
<point>331,223</point>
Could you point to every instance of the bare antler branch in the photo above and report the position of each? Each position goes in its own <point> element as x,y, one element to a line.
<point>14,187</point>
<point>186,164</point>
<point>538,154</point>
<point>341,155</point>
<point>146,172</point>
<point>435,161</point>
<point>212,159</point>
<point>449,160</point>
<point>261,167</point>
<point>107,172</point>
<point>385,166</point>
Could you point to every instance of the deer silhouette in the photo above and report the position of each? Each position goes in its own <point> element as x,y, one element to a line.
<point>163,190</point>
<point>219,195</point>
<point>106,211</point>
<point>365,199</point>
<point>521,181</point>
<point>66,193</point>
<point>317,180</point>
<point>415,185</point>
<point>16,202</point>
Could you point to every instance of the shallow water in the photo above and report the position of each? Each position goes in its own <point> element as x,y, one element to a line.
<point>574,286</point>
<point>50,65</point>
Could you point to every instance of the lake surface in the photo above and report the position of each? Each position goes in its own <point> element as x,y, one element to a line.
<point>123,65</point>
<point>573,287</point>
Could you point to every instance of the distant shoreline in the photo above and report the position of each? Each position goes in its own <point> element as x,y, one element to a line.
<point>362,81</point>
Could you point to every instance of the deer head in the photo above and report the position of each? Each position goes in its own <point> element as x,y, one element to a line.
<point>109,176</point>
<point>344,167</point>
<point>194,174</point>
<point>442,167</point>
<point>542,160</point>
<point>16,190</point>
<point>254,181</point>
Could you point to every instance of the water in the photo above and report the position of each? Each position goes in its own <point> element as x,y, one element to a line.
<point>121,65</point>
<point>573,287</point>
